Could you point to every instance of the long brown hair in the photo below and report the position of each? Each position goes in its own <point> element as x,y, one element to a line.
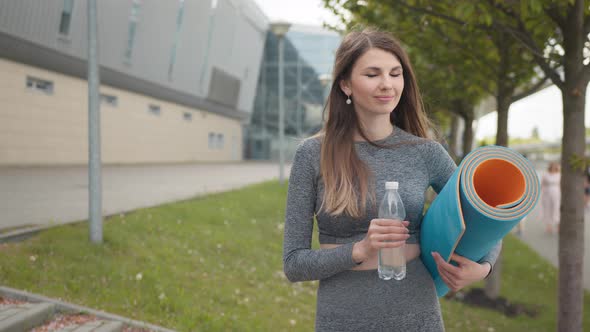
<point>344,175</point>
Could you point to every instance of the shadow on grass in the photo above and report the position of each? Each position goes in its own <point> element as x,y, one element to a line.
<point>477,297</point>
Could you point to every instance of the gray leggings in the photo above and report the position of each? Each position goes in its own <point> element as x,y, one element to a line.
<point>360,301</point>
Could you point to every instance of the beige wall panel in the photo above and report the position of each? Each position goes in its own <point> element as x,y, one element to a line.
<point>36,128</point>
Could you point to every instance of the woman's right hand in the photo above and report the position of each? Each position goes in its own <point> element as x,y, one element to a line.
<point>382,233</point>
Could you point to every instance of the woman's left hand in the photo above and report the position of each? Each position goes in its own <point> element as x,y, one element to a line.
<point>467,271</point>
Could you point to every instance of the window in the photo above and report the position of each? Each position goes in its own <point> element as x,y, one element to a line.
<point>154,109</point>
<point>37,84</point>
<point>216,141</point>
<point>188,116</point>
<point>176,37</point>
<point>66,17</point>
<point>211,141</point>
<point>133,18</point>
<point>109,100</point>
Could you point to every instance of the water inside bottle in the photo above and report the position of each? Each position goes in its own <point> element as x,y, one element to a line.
<point>392,264</point>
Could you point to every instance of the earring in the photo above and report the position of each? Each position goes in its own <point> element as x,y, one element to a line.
<point>348,101</point>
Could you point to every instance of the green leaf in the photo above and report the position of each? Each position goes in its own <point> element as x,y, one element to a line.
<point>536,7</point>
<point>487,19</point>
<point>464,10</point>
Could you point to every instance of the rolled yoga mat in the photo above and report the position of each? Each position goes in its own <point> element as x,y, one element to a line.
<point>492,190</point>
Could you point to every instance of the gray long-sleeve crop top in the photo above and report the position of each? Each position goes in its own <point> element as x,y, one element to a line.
<point>416,163</point>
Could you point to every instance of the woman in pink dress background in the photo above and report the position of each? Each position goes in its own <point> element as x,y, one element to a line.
<point>551,197</point>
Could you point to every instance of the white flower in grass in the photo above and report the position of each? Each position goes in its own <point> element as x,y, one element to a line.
<point>292,322</point>
<point>237,291</point>
<point>178,221</point>
<point>280,226</point>
<point>139,276</point>
<point>253,221</point>
<point>162,296</point>
<point>219,246</point>
<point>33,258</point>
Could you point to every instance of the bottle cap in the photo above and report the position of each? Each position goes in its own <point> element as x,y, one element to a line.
<point>391,185</point>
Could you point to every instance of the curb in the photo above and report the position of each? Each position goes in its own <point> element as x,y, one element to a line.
<point>22,234</point>
<point>28,318</point>
<point>65,306</point>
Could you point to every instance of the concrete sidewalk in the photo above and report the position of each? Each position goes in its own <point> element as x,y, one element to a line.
<point>42,196</point>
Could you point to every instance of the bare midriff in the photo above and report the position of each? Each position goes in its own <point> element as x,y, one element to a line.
<point>412,251</point>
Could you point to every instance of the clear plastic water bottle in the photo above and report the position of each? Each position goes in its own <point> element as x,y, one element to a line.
<point>392,261</point>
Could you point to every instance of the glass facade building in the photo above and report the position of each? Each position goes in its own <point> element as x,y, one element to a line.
<point>308,54</point>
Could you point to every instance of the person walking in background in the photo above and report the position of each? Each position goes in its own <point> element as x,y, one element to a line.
<point>551,197</point>
<point>587,189</point>
<point>376,131</point>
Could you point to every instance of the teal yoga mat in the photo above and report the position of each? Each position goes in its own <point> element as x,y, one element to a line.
<point>492,190</point>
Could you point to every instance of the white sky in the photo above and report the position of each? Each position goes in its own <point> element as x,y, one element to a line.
<point>542,110</point>
<point>308,12</point>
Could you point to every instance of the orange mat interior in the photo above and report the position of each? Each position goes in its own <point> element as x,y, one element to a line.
<point>499,182</point>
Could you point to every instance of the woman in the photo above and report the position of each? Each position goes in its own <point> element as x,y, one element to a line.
<point>375,131</point>
<point>551,197</point>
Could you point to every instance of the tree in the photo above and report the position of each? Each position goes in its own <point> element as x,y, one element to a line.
<point>449,86</point>
<point>535,133</point>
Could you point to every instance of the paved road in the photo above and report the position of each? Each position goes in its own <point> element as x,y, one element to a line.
<point>45,195</point>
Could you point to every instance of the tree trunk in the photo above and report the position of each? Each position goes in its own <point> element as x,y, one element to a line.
<point>503,103</point>
<point>454,139</point>
<point>504,88</point>
<point>571,230</point>
<point>493,282</point>
<point>467,135</point>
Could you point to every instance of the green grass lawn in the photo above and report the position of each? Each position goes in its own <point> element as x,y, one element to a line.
<point>215,264</point>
